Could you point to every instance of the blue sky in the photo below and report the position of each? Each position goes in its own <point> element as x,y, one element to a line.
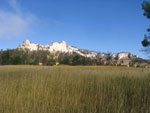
<point>104,26</point>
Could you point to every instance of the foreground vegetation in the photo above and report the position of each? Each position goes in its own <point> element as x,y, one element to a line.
<point>66,89</point>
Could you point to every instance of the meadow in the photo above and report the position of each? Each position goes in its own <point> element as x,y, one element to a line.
<point>74,89</point>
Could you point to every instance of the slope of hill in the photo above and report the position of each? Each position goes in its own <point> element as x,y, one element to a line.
<point>61,53</point>
<point>64,48</point>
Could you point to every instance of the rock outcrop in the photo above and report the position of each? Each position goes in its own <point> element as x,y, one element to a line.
<point>55,47</point>
<point>63,47</point>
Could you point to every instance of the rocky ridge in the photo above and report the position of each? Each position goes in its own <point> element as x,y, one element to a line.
<point>63,47</point>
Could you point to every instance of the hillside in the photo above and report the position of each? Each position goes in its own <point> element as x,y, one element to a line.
<point>64,48</point>
<point>61,53</point>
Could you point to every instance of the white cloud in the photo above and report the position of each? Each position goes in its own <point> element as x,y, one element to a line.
<point>14,4</point>
<point>15,24</point>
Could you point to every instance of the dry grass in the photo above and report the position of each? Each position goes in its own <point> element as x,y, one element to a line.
<point>66,89</point>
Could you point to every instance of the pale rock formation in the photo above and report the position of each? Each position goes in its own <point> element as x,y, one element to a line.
<point>63,47</point>
<point>114,56</point>
<point>124,55</point>
<point>28,45</point>
<point>60,47</point>
<point>102,55</point>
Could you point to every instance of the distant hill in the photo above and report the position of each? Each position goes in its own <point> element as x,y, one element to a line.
<point>61,53</point>
<point>64,48</point>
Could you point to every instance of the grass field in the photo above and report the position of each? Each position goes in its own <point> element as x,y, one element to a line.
<point>66,89</point>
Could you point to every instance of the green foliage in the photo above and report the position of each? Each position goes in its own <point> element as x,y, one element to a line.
<point>75,59</point>
<point>52,62</point>
<point>16,60</point>
<point>5,57</point>
<point>40,57</point>
<point>146,8</point>
<point>146,41</point>
<point>46,58</point>
<point>78,60</point>
<point>23,57</point>
<point>32,63</point>
<point>65,58</point>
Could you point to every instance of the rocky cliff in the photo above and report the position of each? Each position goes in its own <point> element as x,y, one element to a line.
<point>64,48</point>
<point>55,47</point>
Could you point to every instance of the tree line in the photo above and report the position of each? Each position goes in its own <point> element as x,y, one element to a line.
<point>26,57</point>
<point>42,57</point>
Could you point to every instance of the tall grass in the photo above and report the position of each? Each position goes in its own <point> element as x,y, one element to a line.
<point>66,89</point>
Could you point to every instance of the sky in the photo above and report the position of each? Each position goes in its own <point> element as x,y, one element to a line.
<point>98,25</point>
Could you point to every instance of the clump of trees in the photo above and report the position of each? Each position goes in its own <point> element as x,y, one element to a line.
<point>15,57</point>
<point>26,57</point>
<point>75,59</point>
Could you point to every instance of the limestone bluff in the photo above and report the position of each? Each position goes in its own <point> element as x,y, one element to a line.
<point>63,47</point>
<point>55,47</point>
